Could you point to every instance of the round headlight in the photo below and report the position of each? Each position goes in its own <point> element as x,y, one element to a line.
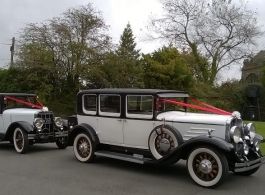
<point>235,134</point>
<point>250,129</point>
<point>58,121</point>
<point>38,122</point>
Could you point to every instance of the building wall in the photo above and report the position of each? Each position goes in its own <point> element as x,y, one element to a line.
<point>253,68</point>
<point>252,72</point>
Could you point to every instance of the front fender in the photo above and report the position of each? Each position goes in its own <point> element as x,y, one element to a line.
<point>183,150</point>
<point>27,127</point>
<point>82,128</point>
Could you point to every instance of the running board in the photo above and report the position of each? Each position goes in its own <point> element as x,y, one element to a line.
<point>120,156</point>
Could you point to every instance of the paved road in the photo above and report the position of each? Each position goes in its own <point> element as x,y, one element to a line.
<point>48,170</point>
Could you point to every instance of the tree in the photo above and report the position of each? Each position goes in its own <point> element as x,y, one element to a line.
<point>120,68</point>
<point>166,68</point>
<point>221,31</point>
<point>68,46</point>
<point>128,60</point>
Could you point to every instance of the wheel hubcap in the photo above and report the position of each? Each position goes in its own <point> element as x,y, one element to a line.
<point>164,143</point>
<point>205,166</point>
<point>83,147</point>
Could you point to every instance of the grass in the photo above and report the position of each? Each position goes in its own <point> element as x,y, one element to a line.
<point>260,126</point>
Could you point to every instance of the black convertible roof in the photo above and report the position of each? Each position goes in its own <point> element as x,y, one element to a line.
<point>130,91</point>
<point>17,94</point>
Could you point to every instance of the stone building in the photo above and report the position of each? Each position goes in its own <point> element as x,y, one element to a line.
<point>252,72</point>
<point>253,69</point>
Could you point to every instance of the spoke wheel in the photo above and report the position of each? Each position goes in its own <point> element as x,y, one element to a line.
<point>207,166</point>
<point>84,148</point>
<point>164,143</point>
<point>21,142</point>
<point>163,140</point>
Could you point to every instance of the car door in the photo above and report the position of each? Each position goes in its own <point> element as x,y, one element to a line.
<point>139,120</point>
<point>110,125</point>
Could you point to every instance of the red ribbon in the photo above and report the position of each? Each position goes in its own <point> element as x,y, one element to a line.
<point>212,109</point>
<point>207,105</point>
<point>24,102</point>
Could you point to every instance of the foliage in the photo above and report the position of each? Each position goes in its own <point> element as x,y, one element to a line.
<point>62,52</point>
<point>166,69</point>
<point>221,31</point>
<point>120,68</point>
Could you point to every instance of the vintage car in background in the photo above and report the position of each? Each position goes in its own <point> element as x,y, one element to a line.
<point>25,121</point>
<point>157,126</point>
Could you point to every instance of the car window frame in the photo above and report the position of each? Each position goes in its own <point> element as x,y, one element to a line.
<point>83,105</point>
<point>110,114</point>
<point>138,116</point>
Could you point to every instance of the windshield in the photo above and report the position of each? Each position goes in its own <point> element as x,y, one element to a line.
<point>21,102</point>
<point>164,104</point>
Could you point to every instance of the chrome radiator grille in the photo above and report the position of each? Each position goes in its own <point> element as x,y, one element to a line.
<point>47,118</point>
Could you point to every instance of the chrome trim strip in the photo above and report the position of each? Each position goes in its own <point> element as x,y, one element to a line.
<point>56,134</point>
<point>241,167</point>
<point>197,132</point>
<point>248,163</point>
<point>247,168</point>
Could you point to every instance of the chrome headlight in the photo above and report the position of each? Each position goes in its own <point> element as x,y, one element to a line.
<point>58,121</point>
<point>250,129</point>
<point>38,122</point>
<point>236,134</point>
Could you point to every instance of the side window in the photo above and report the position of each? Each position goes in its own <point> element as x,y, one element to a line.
<point>140,106</point>
<point>110,105</point>
<point>90,104</point>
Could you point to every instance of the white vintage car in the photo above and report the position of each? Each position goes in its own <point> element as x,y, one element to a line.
<point>25,121</point>
<point>156,126</point>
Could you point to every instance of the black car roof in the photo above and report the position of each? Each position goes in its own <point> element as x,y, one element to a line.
<point>17,94</point>
<point>130,91</point>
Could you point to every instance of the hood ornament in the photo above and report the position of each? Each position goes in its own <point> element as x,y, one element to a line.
<point>236,114</point>
<point>45,109</point>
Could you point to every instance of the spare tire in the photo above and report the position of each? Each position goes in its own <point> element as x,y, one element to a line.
<point>163,139</point>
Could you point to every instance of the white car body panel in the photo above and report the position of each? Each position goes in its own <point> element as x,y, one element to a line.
<point>195,124</point>
<point>18,114</point>
<point>136,132</point>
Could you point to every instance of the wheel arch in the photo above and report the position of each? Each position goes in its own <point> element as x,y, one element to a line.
<point>185,149</point>
<point>82,128</point>
<point>25,126</point>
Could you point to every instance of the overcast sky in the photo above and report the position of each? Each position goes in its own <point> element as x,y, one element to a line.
<point>15,14</point>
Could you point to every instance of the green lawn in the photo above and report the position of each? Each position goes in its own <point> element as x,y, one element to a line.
<point>260,126</point>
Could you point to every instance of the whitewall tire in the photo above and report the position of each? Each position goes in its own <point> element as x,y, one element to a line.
<point>163,140</point>
<point>207,166</point>
<point>20,139</point>
<point>84,148</point>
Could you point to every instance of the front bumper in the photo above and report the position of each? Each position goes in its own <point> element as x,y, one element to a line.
<point>242,167</point>
<point>48,135</point>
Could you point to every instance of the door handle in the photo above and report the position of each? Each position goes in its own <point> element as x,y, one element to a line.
<point>124,120</point>
<point>119,120</point>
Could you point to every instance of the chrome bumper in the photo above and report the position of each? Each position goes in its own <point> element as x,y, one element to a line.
<point>61,134</point>
<point>45,136</point>
<point>242,167</point>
